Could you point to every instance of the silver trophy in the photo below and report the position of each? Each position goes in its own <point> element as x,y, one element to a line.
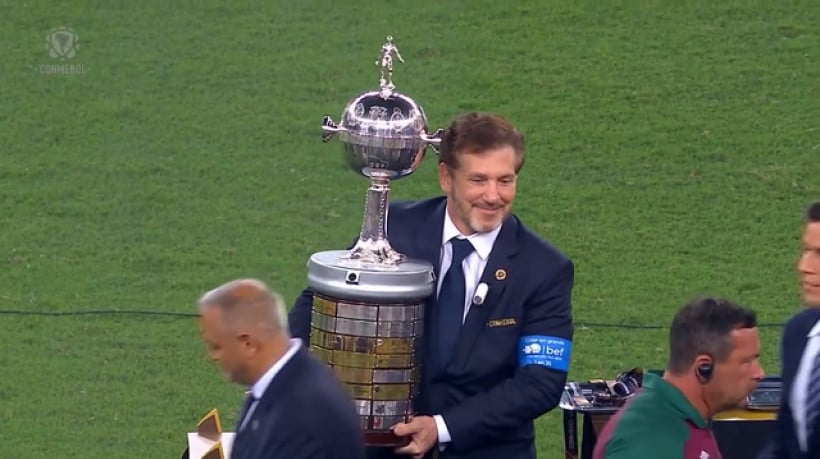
<point>384,137</point>
<point>368,302</point>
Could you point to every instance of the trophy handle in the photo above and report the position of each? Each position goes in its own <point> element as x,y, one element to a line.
<point>329,128</point>
<point>434,140</point>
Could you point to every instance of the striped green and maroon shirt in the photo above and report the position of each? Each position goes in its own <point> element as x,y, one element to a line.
<point>657,422</point>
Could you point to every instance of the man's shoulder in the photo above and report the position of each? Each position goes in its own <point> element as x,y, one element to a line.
<point>649,415</point>
<point>804,319</point>
<point>535,245</point>
<point>417,207</point>
<point>799,325</point>
<point>648,446</point>
<point>645,427</point>
<point>314,391</point>
<point>327,387</point>
<point>319,377</point>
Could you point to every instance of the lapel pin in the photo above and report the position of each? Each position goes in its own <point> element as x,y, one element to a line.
<point>500,274</point>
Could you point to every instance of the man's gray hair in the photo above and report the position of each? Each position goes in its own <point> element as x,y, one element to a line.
<point>248,299</point>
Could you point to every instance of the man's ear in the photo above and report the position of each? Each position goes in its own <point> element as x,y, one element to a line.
<point>704,367</point>
<point>247,341</point>
<point>445,178</point>
<point>702,359</point>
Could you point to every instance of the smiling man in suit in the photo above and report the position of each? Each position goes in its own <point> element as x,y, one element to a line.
<point>488,370</point>
<point>798,420</point>
<point>295,407</point>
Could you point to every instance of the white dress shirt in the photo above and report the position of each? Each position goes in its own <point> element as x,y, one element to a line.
<point>800,387</point>
<point>473,265</point>
<point>260,386</point>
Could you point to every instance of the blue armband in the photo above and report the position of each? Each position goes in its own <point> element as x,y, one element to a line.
<point>547,351</point>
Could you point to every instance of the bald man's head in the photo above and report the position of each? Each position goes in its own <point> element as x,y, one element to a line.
<point>248,303</point>
<point>244,325</point>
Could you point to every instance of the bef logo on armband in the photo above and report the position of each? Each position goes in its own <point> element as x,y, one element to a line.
<point>547,351</point>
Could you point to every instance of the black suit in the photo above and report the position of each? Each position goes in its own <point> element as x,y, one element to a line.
<point>304,414</point>
<point>785,444</point>
<point>487,399</point>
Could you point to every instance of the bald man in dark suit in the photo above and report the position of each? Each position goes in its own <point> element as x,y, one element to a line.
<point>295,407</point>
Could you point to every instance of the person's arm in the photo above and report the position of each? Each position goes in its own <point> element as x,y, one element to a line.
<point>300,315</point>
<point>536,387</point>
<point>774,447</point>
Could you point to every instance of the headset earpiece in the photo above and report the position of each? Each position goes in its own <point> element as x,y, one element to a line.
<point>704,372</point>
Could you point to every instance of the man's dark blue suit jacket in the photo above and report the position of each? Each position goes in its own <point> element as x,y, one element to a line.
<point>784,444</point>
<point>305,413</point>
<point>486,399</point>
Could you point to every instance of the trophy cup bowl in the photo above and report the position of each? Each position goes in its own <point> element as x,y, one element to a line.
<point>382,136</point>
<point>368,302</point>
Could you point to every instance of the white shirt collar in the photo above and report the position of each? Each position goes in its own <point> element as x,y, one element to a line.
<point>259,387</point>
<point>815,330</point>
<point>482,242</point>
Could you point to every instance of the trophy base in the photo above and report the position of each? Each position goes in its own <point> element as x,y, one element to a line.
<point>365,325</point>
<point>385,439</point>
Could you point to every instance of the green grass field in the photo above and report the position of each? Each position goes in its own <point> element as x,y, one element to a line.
<point>673,147</point>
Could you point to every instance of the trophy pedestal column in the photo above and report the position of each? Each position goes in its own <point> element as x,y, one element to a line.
<point>365,324</point>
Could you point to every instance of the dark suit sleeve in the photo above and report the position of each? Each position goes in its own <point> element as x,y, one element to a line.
<point>775,447</point>
<point>534,389</point>
<point>300,315</point>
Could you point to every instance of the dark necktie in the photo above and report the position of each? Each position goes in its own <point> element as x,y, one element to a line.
<point>451,301</point>
<point>245,408</point>
<point>813,399</point>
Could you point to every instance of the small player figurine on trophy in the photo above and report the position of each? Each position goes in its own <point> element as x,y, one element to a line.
<point>386,63</point>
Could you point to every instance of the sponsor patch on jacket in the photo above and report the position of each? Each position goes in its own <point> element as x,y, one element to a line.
<point>546,351</point>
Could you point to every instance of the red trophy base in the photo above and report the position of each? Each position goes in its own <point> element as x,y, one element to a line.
<point>384,438</point>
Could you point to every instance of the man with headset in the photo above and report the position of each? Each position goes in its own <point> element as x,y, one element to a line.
<point>713,366</point>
